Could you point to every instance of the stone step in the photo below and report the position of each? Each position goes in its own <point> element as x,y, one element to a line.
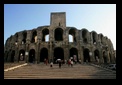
<point>40,71</point>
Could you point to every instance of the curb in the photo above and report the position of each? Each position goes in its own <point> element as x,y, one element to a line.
<point>15,67</point>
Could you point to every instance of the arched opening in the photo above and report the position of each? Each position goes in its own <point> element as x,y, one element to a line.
<point>104,57</point>
<point>84,36</point>
<point>21,55</point>
<point>96,55</point>
<point>74,53</point>
<point>43,54</point>
<point>72,32</point>
<point>24,37</point>
<point>70,38</point>
<point>94,37</point>
<point>58,34</point>
<point>12,56</point>
<point>86,55</point>
<point>34,37</point>
<point>101,38</point>
<point>31,55</point>
<point>58,54</point>
<point>16,37</point>
<point>45,36</point>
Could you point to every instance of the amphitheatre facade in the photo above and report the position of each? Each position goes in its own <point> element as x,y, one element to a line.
<point>32,46</point>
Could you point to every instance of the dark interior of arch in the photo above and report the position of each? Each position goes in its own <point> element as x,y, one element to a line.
<point>31,55</point>
<point>43,54</point>
<point>24,36</point>
<point>12,56</point>
<point>84,36</point>
<point>86,55</point>
<point>96,53</point>
<point>58,34</point>
<point>101,36</point>
<point>44,32</point>
<point>72,32</point>
<point>58,53</point>
<point>6,56</point>
<point>21,58</point>
<point>73,51</point>
<point>94,37</point>
<point>33,36</point>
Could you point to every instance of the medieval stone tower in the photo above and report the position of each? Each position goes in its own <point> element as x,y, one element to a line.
<point>52,42</point>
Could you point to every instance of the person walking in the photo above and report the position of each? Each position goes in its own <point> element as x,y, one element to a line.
<point>60,64</point>
<point>71,63</point>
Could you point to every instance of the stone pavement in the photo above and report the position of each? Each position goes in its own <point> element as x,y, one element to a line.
<point>42,71</point>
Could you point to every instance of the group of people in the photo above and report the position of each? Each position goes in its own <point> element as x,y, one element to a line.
<point>61,62</point>
<point>70,62</point>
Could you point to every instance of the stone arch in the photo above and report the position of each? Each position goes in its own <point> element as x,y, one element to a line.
<point>58,53</point>
<point>43,54</point>
<point>32,56</point>
<point>86,55</point>
<point>94,37</point>
<point>12,56</point>
<point>72,32</point>
<point>21,55</point>
<point>85,35</point>
<point>24,33</point>
<point>45,32</point>
<point>34,36</point>
<point>96,54</point>
<point>101,38</point>
<point>58,34</point>
<point>74,52</point>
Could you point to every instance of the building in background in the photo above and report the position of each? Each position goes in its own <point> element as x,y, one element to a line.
<point>53,42</point>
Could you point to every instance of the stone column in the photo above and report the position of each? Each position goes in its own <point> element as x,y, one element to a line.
<point>101,60</point>
<point>16,54</point>
<point>27,52</point>
<point>81,54</point>
<point>50,52</point>
<point>38,52</point>
<point>66,53</point>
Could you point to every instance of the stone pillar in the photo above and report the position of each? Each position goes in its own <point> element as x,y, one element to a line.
<point>50,52</point>
<point>27,52</point>
<point>66,54</point>
<point>81,54</point>
<point>38,52</point>
<point>108,56</point>
<point>16,54</point>
<point>101,60</point>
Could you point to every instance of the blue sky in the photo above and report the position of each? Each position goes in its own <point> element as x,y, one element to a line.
<point>98,17</point>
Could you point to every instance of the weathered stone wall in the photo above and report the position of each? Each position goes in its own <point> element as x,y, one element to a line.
<point>87,46</point>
